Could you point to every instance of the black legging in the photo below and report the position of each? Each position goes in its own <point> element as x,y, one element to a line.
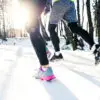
<point>54,37</point>
<point>39,46</point>
<point>36,38</point>
<point>84,34</point>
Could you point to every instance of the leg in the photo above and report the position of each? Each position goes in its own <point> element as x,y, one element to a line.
<point>84,34</point>
<point>70,17</point>
<point>40,48</point>
<point>54,37</point>
<point>57,13</point>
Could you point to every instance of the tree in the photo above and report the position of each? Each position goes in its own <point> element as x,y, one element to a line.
<point>82,13</point>
<point>78,11</point>
<point>91,29</point>
<point>94,5</point>
<point>2,19</point>
<point>98,20</point>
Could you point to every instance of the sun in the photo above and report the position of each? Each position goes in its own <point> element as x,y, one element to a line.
<point>19,15</point>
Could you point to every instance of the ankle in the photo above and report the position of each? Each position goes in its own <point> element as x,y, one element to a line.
<point>44,67</point>
<point>57,53</point>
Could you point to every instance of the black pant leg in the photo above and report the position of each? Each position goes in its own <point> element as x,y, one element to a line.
<point>54,36</point>
<point>39,45</point>
<point>84,34</point>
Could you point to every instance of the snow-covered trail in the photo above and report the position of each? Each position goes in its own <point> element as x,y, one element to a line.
<point>9,56</point>
<point>77,77</point>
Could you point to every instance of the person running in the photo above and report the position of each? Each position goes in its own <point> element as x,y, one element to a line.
<point>33,28</point>
<point>65,9</point>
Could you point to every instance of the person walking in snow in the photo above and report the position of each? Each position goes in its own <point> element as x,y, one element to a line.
<point>65,9</point>
<point>36,7</point>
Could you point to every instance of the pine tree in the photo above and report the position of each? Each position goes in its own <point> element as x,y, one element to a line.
<point>98,20</point>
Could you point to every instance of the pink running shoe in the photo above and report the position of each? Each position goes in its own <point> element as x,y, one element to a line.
<point>45,75</point>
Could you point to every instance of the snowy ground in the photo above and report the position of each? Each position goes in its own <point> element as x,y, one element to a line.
<point>77,76</point>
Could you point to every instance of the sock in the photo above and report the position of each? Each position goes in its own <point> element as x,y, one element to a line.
<point>57,53</point>
<point>44,69</point>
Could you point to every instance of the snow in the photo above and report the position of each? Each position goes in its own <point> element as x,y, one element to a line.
<point>77,78</point>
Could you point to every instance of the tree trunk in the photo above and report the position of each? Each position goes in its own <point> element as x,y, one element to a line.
<point>82,13</point>
<point>89,19</point>
<point>78,11</point>
<point>98,20</point>
<point>4,31</point>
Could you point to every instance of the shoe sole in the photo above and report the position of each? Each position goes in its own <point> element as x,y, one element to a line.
<point>48,78</point>
<point>56,60</point>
